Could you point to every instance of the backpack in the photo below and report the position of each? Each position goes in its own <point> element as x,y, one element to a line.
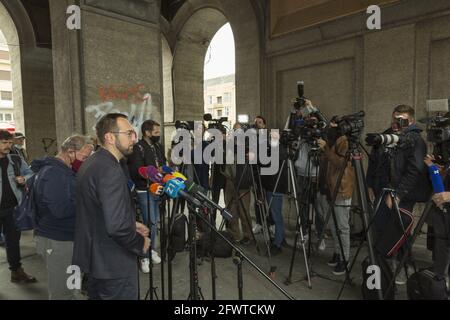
<point>177,239</point>
<point>425,285</point>
<point>25,213</point>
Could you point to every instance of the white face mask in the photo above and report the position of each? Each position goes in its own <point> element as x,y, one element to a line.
<point>18,146</point>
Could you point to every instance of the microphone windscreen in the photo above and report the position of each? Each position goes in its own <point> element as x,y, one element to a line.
<point>179,175</point>
<point>156,188</point>
<point>167,177</point>
<point>153,174</point>
<point>167,169</point>
<point>143,172</point>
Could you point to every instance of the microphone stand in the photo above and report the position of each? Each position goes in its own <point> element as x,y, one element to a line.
<point>193,267</point>
<point>151,290</point>
<point>163,241</point>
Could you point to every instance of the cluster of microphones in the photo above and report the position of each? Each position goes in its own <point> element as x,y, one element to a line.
<point>174,184</point>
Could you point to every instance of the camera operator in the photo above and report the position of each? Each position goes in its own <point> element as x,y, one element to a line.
<point>335,150</point>
<point>274,193</point>
<point>148,151</point>
<point>399,167</point>
<point>305,167</point>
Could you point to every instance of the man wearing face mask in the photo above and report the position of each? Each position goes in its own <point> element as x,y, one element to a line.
<point>148,151</point>
<point>54,196</point>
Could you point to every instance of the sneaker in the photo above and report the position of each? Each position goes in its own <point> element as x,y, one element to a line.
<point>322,245</point>
<point>272,229</point>
<point>19,276</point>
<point>339,269</point>
<point>155,257</point>
<point>145,265</point>
<point>401,278</point>
<point>334,260</point>
<point>257,228</point>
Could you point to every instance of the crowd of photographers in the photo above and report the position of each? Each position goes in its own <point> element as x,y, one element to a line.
<point>69,201</point>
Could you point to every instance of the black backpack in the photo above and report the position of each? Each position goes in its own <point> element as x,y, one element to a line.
<point>177,238</point>
<point>211,244</point>
<point>425,285</point>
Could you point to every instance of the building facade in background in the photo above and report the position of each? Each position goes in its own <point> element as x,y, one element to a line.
<point>220,98</point>
<point>6,97</point>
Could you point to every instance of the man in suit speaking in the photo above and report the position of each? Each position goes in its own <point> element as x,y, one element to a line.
<point>108,239</point>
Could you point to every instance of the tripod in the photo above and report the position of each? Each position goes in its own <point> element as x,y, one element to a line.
<point>292,181</point>
<point>354,154</point>
<point>261,203</point>
<point>195,292</point>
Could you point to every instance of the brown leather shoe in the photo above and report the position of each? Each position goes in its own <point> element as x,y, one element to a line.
<point>19,276</point>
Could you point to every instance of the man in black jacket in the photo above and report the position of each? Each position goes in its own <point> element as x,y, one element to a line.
<point>148,151</point>
<point>401,168</point>
<point>107,238</point>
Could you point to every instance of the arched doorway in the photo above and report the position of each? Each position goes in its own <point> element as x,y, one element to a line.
<point>219,76</point>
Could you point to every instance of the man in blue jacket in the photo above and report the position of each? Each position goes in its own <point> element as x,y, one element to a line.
<point>54,195</point>
<point>14,173</point>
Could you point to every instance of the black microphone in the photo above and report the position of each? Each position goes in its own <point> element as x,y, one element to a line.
<point>200,193</point>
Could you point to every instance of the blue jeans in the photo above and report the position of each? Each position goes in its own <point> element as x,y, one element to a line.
<point>154,213</point>
<point>276,210</point>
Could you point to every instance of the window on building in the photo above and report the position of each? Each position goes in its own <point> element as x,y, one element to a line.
<point>1,116</point>
<point>219,100</point>
<point>6,95</point>
<point>5,75</point>
<point>210,99</point>
<point>219,113</point>
<point>227,111</point>
<point>227,97</point>
<point>8,117</point>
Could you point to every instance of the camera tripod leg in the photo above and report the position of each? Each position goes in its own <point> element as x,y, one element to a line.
<point>299,230</point>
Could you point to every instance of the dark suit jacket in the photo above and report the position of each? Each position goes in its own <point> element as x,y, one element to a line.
<point>106,244</point>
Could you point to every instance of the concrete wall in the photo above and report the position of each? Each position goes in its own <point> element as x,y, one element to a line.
<point>122,65</point>
<point>347,68</point>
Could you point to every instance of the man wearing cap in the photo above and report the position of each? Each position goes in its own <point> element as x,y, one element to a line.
<point>18,147</point>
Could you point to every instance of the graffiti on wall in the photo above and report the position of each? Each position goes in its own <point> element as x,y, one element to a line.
<point>137,112</point>
<point>122,92</point>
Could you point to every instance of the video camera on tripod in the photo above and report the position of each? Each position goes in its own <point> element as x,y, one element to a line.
<point>216,123</point>
<point>350,125</point>
<point>305,121</point>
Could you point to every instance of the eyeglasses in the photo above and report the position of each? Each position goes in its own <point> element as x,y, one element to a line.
<point>129,133</point>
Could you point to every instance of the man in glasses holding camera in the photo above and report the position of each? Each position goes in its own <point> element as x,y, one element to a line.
<point>397,163</point>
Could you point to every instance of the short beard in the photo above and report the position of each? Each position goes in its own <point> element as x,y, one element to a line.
<point>123,151</point>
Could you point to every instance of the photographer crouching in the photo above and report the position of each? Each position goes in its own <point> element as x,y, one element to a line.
<point>396,162</point>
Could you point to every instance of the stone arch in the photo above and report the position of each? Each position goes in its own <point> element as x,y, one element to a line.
<point>194,25</point>
<point>32,77</point>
